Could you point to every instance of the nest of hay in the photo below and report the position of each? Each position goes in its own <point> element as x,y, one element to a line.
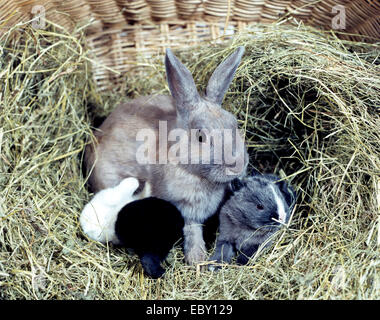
<point>309,105</point>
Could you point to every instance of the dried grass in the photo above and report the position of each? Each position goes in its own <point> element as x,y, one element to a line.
<point>309,104</point>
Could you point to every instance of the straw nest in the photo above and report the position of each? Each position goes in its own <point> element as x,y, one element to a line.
<point>309,104</point>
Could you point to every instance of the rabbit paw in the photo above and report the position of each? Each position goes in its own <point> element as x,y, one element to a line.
<point>195,255</point>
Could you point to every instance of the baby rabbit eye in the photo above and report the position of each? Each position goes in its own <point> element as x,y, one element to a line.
<point>260,207</point>
<point>201,136</point>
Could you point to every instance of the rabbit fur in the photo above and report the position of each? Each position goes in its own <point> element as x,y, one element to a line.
<point>149,226</point>
<point>256,208</point>
<point>98,217</point>
<point>196,189</point>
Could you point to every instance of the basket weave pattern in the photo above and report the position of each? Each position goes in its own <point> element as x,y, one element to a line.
<point>123,30</point>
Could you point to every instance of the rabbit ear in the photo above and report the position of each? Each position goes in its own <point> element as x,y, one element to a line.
<point>128,186</point>
<point>181,83</point>
<point>236,185</point>
<point>222,77</point>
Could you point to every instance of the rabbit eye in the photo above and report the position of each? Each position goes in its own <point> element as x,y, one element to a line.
<point>201,136</point>
<point>260,207</point>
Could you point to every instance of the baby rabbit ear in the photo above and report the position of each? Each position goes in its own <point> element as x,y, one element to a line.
<point>128,185</point>
<point>236,185</point>
<point>181,83</point>
<point>222,76</point>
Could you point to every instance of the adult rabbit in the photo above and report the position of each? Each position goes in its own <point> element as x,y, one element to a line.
<point>194,181</point>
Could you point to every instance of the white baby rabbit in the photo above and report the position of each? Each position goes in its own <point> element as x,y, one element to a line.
<point>150,226</point>
<point>99,216</point>
<point>195,187</point>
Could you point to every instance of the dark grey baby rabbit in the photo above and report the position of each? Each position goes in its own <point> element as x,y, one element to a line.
<point>195,183</point>
<point>255,209</point>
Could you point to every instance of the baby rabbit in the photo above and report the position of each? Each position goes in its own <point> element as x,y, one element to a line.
<point>195,181</point>
<point>99,216</point>
<point>256,208</point>
<point>149,226</point>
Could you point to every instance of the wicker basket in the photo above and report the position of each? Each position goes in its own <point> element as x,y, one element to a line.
<point>124,30</point>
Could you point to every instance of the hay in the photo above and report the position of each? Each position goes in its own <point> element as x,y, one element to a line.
<point>309,104</point>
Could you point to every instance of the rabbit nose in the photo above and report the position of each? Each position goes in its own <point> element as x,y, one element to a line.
<point>235,170</point>
<point>238,166</point>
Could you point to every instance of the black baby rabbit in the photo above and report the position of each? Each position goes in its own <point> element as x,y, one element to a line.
<point>150,226</point>
<point>255,209</point>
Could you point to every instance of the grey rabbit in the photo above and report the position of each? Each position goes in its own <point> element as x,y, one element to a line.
<point>195,188</point>
<point>254,210</point>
